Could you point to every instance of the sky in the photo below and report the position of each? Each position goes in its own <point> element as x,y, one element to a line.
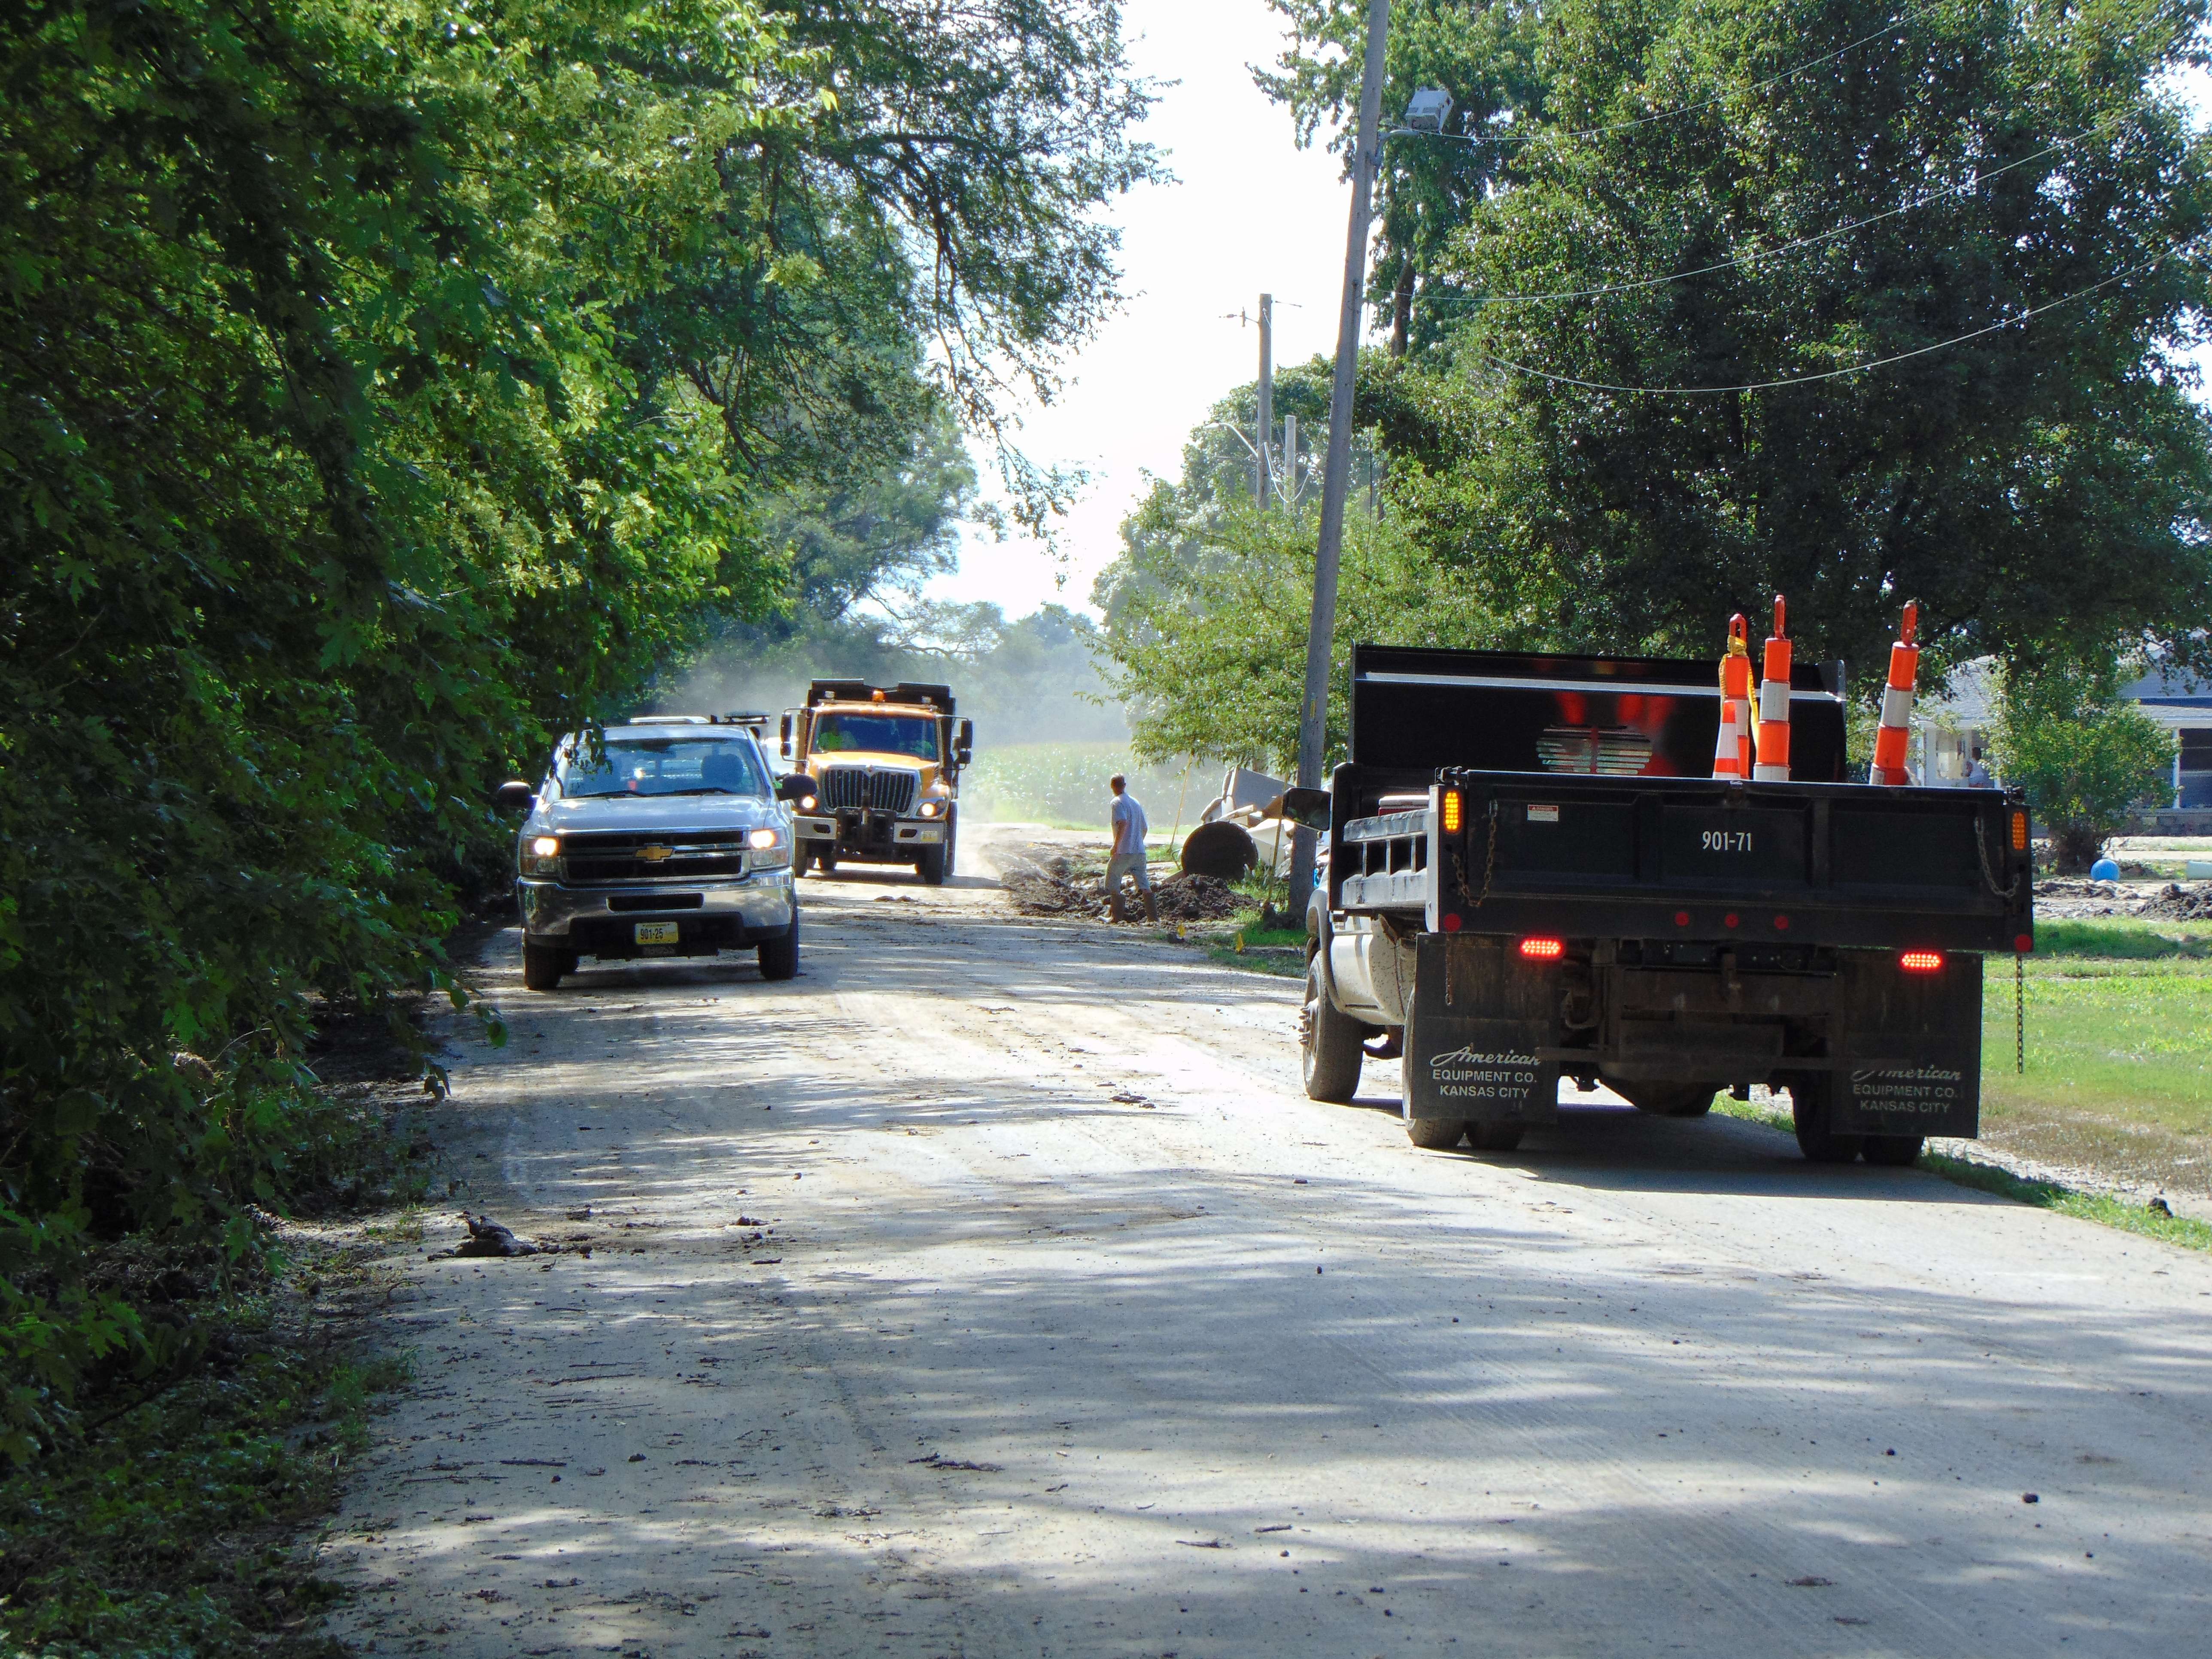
<point>1252,214</point>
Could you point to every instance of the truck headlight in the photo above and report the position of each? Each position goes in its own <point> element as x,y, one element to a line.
<point>544,856</point>
<point>546,847</point>
<point>771,849</point>
<point>806,802</point>
<point>929,809</point>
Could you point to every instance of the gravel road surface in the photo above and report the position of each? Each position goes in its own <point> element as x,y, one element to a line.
<point>991,1289</point>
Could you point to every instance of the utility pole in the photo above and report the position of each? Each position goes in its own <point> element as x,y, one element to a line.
<point>1313,714</point>
<point>1266,481</point>
<point>1290,460</point>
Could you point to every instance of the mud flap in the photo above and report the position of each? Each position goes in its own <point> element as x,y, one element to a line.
<point>1481,1017</point>
<point>1911,1048</point>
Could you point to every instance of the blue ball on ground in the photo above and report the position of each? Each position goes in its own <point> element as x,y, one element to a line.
<point>2104,870</point>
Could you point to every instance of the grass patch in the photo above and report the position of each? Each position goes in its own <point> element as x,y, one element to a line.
<point>2189,1234</point>
<point>171,1528</point>
<point>2122,938</point>
<point>1761,1112</point>
<point>2128,1040</point>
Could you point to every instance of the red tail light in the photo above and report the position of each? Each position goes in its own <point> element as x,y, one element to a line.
<point>1921,961</point>
<point>1543,949</point>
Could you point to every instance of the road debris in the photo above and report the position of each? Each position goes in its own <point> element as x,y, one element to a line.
<point>1058,887</point>
<point>488,1237</point>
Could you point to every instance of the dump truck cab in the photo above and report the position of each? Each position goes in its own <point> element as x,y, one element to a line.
<point>885,763</point>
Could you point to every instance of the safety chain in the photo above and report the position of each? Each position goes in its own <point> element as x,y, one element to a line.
<point>1989,875</point>
<point>1473,901</point>
<point>2019,1014</point>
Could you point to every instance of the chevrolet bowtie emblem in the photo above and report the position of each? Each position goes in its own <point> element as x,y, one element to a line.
<point>655,854</point>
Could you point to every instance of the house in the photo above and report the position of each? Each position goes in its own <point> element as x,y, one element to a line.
<point>2184,707</point>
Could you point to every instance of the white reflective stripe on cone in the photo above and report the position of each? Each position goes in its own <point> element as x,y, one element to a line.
<point>1773,701</point>
<point>1896,705</point>
<point>1770,775</point>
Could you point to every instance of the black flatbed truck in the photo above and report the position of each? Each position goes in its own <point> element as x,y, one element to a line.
<point>1532,876</point>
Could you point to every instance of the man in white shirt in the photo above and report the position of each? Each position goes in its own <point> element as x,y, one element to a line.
<point>1127,820</point>
<point>1978,775</point>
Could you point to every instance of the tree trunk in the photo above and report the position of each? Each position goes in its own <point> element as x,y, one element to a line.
<point>2075,848</point>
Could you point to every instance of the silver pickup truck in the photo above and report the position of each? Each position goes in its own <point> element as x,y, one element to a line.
<point>668,837</point>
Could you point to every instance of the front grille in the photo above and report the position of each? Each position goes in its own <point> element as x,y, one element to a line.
<point>882,789</point>
<point>599,858</point>
<point>1611,751</point>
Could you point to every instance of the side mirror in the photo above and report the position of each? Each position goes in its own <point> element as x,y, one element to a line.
<point>796,786</point>
<point>963,736</point>
<point>785,734</point>
<point>1307,808</point>
<point>963,755</point>
<point>514,796</point>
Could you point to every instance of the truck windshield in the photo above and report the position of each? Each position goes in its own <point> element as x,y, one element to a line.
<point>882,734</point>
<point>664,766</point>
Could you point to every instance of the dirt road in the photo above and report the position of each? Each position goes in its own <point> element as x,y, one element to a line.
<point>992,1290</point>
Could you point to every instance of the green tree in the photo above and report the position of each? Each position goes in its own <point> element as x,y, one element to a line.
<point>2083,755</point>
<point>2002,205</point>
<point>356,436</point>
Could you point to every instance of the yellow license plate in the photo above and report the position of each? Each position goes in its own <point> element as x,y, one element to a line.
<point>658,933</point>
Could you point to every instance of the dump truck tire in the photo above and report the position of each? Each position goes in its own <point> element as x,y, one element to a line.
<point>1223,850</point>
<point>1495,1137</point>
<point>1811,1099</point>
<point>1435,1134</point>
<point>1669,1099</point>
<point>1897,1151</point>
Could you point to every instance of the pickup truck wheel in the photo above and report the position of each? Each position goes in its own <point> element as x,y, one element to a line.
<point>1436,1134</point>
<point>543,965</point>
<point>1328,1043</point>
<point>779,958</point>
<point>1811,1099</point>
<point>1495,1137</point>
<point>1669,1099</point>
<point>1896,1151</point>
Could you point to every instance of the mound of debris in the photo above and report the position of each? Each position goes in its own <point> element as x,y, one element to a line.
<point>2059,895</point>
<point>2177,904</point>
<point>1057,887</point>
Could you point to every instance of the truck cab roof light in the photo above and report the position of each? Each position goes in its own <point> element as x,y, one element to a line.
<point>1543,949</point>
<point>1921,961</point>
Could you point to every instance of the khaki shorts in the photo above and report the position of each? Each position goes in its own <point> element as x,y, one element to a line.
<point>1127,863</point>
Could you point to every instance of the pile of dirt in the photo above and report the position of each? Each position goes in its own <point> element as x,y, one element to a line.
<point>2177,904</point>
<point>1057,887</point>
<point>2060,896</point>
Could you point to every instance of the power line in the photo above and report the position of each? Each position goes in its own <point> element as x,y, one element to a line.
<point>1643,283</point>
<point>1830,373</point>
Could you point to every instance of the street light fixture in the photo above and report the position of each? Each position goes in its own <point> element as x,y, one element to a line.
<point>1426,113</point>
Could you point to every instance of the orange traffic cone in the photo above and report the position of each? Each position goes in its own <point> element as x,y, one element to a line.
<point>1732,749</point>
<point>1896,729</point>
<point>1773,764</point>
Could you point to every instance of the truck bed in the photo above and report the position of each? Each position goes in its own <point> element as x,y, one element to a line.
<point>1659,858</point>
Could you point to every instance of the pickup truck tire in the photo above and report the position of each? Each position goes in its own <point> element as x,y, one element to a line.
<point>1669,1099</point>
<point>1898,1152</point>
<point>1329,1043</point>
<point>1435,1134</point>
<point>1810,1100</point>
<point>543,966</point>
<point>779,958</point>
